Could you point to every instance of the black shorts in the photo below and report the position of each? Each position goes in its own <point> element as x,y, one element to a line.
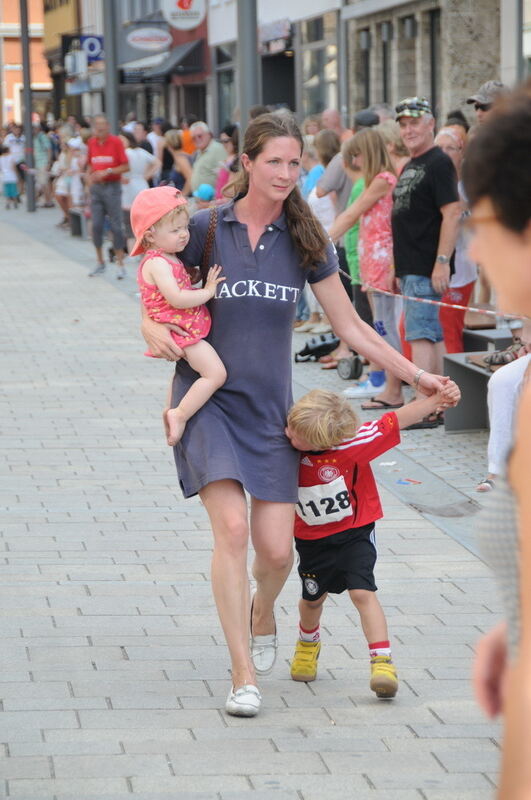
<point>341,561</point>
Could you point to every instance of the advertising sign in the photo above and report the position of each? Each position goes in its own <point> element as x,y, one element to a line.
<point>149,39</point>
<point>184,14</point>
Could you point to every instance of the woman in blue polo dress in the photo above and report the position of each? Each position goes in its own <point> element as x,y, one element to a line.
<point>268,244</point>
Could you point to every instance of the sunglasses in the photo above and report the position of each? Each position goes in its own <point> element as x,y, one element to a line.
<point>224,139</point>
<point>482,106</point>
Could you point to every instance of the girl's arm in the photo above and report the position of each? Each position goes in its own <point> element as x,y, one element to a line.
<point>363,339</point>
<point>159,272</point>
<point>377,189</point>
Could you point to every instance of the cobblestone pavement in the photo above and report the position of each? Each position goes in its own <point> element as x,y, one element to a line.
<point>113,669</point>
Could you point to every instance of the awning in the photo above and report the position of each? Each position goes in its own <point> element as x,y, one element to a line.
<point>184,59</point>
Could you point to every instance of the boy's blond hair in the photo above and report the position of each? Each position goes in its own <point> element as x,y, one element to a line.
<point>323,418</point>
<point>169,216</point>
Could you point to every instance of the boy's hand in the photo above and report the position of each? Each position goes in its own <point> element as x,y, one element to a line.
<point>213,278</point>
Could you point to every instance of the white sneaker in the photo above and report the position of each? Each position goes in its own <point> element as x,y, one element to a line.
<point>244,702</point>
<point>364,388</point>
<point>306,327</point>
<point>321,327</point>
<point>263,649</point>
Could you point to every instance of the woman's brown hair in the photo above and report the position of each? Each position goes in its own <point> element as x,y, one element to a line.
<point>305,230</point>
<point>174,138</point>
<point>327,143</point>
<point>370,145</point>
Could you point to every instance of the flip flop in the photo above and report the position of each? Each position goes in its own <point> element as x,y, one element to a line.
<point>329,365</point>
<point>426,422</point>
<point>379,405</point>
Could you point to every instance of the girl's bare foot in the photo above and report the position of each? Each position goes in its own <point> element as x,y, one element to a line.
<point>175,425</point>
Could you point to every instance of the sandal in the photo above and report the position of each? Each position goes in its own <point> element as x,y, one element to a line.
<point>501,357</point>
<point>486,485</point>
<point>378,405</point>
<point>431,421</point>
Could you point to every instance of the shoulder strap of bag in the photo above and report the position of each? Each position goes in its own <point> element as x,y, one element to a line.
<point>209,241</point>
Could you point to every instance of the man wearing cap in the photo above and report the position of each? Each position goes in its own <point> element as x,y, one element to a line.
<point>210,155</point>
<point>425,221</point>
<point>484,98</point>
<point>106,161</point>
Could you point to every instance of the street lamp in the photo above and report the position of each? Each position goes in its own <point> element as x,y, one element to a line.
<point>28,130</point>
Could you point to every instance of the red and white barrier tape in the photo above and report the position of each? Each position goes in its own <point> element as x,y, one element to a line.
<point>486,311</point>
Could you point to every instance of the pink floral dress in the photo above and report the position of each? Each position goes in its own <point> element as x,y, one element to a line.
<point>375,244</point>
<point>196,321</point>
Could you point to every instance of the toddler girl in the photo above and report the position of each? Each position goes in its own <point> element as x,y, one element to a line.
<point>159,219</point>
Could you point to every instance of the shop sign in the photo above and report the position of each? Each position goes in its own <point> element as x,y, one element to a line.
<point>151,39</point>
<point>184,14</point>
<point>274,37</point>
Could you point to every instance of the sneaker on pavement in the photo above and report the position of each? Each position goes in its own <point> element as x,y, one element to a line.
<point>364,388</point>
<point>99,269</point>
<point>384,680</point>
<point>120,273</point>
<point>322,327</point>
<point>244,702</point>
<point>304,662</point>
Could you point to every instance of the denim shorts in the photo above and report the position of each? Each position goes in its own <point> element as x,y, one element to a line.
<point>421,319</point>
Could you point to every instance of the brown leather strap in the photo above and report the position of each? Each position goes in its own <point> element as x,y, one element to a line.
<point>209,241</point>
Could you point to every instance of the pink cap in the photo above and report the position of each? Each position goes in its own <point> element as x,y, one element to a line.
<point>148,207</point>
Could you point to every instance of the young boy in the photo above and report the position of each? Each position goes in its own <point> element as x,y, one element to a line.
<point>334,524</point>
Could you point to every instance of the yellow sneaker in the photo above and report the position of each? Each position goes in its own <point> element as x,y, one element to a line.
<point>304,663</point>
<point>384,680</point>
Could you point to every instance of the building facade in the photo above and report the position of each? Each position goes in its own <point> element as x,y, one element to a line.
<point>11,76</point>
<point>349,54</point>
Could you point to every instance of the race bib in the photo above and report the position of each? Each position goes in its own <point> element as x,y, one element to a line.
<point>324,503</point>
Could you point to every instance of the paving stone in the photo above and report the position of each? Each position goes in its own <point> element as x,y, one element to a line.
<point>105,598</point>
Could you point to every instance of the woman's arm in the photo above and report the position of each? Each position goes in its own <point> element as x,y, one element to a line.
<point>377,189</point>
<point>183,166</point>
<point>152,168</point>
<point>363,339</point>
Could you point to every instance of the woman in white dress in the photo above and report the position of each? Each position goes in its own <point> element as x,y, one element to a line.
<point>142,167</point>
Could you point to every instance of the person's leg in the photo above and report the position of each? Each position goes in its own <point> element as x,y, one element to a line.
<point>113,209</point>
<point>452,320</point>
<point>226,506</point>
<point>384,680</point>
<point>372,617</point>
<point>203,359</point>
<point>423,329</point>
<point>308,646</point>
<point>97,210</point>
<point>385,323</point>
<point>272,537</point>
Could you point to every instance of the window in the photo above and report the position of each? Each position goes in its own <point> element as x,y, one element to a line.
<point>319,63</point>
<point>364,66</point>
<point>386,34</point>
<point>407,68</point>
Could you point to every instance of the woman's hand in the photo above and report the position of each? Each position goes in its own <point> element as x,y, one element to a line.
<point>160,341</point>
<point>430,384</point>
<point>490,670</point>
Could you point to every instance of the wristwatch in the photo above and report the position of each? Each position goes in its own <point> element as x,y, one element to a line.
<point>442,259</point>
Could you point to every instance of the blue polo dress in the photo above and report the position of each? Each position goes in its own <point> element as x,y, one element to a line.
<point>239,432</point>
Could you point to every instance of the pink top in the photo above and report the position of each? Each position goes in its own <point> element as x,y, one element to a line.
<point>375,244</point>
<point>196,320</point>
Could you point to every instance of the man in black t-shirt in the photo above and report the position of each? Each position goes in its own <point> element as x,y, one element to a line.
<point>424,220</point>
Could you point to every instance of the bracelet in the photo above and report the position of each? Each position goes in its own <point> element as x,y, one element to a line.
<point>417,377</point>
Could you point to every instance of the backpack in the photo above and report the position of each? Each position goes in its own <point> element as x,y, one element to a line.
<point>317,346</point>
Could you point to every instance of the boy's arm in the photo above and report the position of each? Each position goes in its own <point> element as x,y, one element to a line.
<point>417,409</point>
<point>159,273</point>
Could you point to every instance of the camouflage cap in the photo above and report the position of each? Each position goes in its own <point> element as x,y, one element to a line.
<point>413,107</point>
<point>487,93</point>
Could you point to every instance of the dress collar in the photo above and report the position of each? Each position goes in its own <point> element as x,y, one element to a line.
<point>228,214</point>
